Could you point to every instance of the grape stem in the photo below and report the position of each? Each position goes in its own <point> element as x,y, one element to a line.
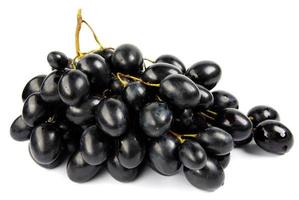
<point>80,21</point>
<point>178,136</point>
<point>212,112</point>
<point>79,53</point>
<point>125,83</point>
<point>52,119</point>
<point>205,115</point>
<point>158,98</point>
<point>182,137</point>
<point>149,60</point>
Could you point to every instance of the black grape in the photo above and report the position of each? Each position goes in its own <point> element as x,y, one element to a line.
<point>58,60</point>
<point>157,72</point>
<point>210,177</point>
<point>115,86</point>
<point>188,121</point>
<point>33,86</point>
<point>49,87</point>
<point>73,87</point>
<point>273,137</point>
<point>71,134</point>
<point>170,59</point>
<point>97,71</point>
<point>106,54</point>
<point>235,123</point>
<point>259,114</point>
<point>179,91</point>
<point>19,130</point>
<point>120,173</point>
<point>46,145</point>
<point>192,155</point>
<point>83,113</point>
<point>216,141</point>
<point>112,117</point>
<point>155,119</point>
<point>222,160</point>
<point>94,146</point>
<point>206,98</point>
<point>223,99</point>
<point>131,149</point>
<point>205,73</point>
<point>135,95</point>
<point>79,171</point>
<point>34,110</point>
<point>163,154</point>
<point>128,59</point>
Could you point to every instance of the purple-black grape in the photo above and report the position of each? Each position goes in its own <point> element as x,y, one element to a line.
<point>210,177</point>
<point>80,171</point>
<point>155,119</point>
<point>19,130</point>
<point>259,114</point>
<point>274,137</point>
<point>205,73</point>
<point>179,91</point>
<point>127,59</point>
<point>170,59</point>
<point>33,86</point>
<point>192,155</point>
<point>73,87</point>
<point>163,155</point>
<point>112,117</point>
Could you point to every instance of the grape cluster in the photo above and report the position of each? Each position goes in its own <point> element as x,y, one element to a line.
<point>108,109</point>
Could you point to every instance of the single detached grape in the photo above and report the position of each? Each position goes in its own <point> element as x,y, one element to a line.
<point>273,137</point>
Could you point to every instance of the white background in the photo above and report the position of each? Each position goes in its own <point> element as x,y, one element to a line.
<point>255,42</point>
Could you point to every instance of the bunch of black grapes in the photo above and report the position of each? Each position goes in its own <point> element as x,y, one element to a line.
<point>108,110</point>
